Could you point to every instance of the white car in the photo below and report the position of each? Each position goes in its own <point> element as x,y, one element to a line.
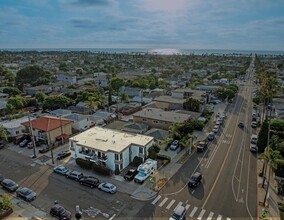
<point>253,148</point>
<point>215,129</point>
<point>107,187</point>
<point>253,124</point>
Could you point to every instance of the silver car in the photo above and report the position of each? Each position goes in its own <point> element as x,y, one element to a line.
<point>26,193</point>
<point>107,187</point>
<point>9,185</point>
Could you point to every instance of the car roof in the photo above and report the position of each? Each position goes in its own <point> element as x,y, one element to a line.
<point>196,174</point>
<point>179,210</point>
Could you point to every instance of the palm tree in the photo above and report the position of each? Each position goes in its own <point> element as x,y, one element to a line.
<point>273,158</point>
<point>92,103</point>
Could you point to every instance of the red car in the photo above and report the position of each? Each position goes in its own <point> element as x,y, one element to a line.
<point>60,212</point>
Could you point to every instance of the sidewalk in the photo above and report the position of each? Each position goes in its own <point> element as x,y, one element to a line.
<point>272,199</point>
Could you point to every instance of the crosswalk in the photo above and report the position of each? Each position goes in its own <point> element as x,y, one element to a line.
<point>192,211</point>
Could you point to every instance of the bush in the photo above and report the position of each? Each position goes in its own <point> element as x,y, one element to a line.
<point>86,164</point>
<point>137,161</point>
<point>102,170</point>
<point>6,202</point>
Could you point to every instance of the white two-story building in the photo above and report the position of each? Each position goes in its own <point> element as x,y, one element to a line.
<point>111,148</point>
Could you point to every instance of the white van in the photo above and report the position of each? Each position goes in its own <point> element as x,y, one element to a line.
<point>253,139</point>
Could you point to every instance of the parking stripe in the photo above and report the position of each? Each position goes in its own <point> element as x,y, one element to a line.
<point>219,217</point>
<point>187,206</point>
<point>179,204</point>
<point>170,204</point>
<point>156,200</point>
<point>210,215</point>
<point>201,214</point>
<point>163,202</point>
<point>193,211</point>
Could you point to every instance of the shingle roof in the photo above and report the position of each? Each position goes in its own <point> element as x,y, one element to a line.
<point>47,123</point>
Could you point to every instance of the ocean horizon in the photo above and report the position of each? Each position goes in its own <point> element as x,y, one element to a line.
<point>162,51</point>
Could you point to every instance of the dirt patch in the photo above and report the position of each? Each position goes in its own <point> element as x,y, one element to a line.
<point>159,184</point>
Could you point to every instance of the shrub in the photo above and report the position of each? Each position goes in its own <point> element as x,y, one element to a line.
<point>6,201</point>
<point>101,169</point>
<point>86,164</point>
<point>137,161</point>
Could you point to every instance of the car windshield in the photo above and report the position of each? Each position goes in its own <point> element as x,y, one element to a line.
<point>26,191</point>
<point>61,210</point>
<point>175,216</point>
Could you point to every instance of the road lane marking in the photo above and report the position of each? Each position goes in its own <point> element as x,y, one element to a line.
<point>156,200</point>
<point>170,204</point>
<point>201,214</point>
<point>179,204</point>
<point>193,212</point>
<point>163,202</point>
<point>210,215</point>
<point>219,217</point>
<point>187,206</point>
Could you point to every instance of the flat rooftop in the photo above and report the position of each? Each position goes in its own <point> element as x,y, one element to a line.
<point>169,99</point>
<point>104,140</point>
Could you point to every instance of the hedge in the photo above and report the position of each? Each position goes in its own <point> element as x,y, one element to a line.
<point>102,170</point>
<point>86,164</point>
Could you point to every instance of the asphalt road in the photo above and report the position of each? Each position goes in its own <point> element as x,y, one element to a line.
<point>69,193</point>
<point>228,189</point>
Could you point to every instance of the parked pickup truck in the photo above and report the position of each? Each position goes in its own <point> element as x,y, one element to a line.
<point>131,174</point>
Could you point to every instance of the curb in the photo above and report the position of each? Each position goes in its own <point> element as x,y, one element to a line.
<point>144,199</point>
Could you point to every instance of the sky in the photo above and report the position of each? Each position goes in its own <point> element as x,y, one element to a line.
<point>181,24</point>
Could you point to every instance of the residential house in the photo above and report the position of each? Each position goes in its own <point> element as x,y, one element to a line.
<point>170,103</point>
<point>101,118</point>
<point>131,92</point>
<point>60,112</point>
<point>15,128</point>
<point>101,80</point>
<point>50,129</point>
<point>81,109</point>
<point>80,122</point>
<point>42,88</point>
<point>59,86</point>
<point>158,118</point>
<point>111,148</point>
<point>66,78</point>
<point>2,106</point>
<point>159,135</point>
<point>135,128</point>
<point>206,88</point>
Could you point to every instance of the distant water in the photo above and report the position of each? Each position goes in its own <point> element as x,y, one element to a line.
<point>162,51</point>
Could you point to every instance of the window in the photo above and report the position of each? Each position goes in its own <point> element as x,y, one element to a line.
<point>118,156</point>
<point>144,119</point>
<point>141,150</point>
<point>17,132</point>
<point>155,121</point>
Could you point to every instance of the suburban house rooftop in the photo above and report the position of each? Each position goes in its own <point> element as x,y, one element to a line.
<point>161,115</point>
<point>105,140</point>
<point>169,99</point>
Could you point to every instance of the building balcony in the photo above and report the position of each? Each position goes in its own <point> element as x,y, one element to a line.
<point>118,161</point>
<point>103,158</point>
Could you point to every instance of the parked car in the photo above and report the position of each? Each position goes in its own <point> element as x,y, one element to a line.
<point>211,136</point>
<point>174,145</point>
<point>107,187</point>
<point>75,175</point>
<point>60,170</point>
<point>195,179</point>
<point>24,143</point>
<point>26,193</point>
<point>9,185</point>
<point>63,154</point>
<point>179,213</point>
<point>44,150</point>
<point>90,181</point>
<point>215,129</point>
<point>253,148</point>
<point>202,146</point>
<point>253,124</point>
<point>60,212</point>
<point>130,174</point>
<point>241,124</point>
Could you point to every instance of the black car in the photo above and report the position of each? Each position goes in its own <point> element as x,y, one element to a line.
<point>1,178</point>
<point>202,146</point>
<point>195,179</point>
<point>9,185</point>
<point>63,154</point>
<point>44,150</point>
<point>130,174</point>
<point>90,181</point>
<point>241,124</point>
<point>60,212</point>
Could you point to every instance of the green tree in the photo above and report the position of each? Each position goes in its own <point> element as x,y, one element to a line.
<point>55,102</point>
<point>262,137</point>
<point>17,102</point>
<point>277,124</point>
<point>10,76</point>
<point>93,103</point>
<point>116,83</point>
<point>6,201</point>
<point>12,91</point>
<point>3,134</point>
<point>40,97</point>
<point>191,104</point>
<point>124,97</point>
<point>10,109</point>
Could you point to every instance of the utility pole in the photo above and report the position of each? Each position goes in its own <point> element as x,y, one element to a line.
<point>61,130</point>
<point>32,136</point>
<point>51,148</point>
